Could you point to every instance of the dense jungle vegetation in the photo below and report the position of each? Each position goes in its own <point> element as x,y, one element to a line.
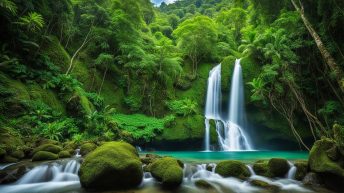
<point>102,70</point>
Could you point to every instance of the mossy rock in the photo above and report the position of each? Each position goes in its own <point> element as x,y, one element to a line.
<point>113,165</point>
<point>168,171</point>
<point>278,167</point>
<point>44,155</point>
<point>232,168</point>
<point>48,141</point>
<point>8,159</point>
<point>10,139</point>
<point>261,168</point>
<point>49,148</point>
<point>202,184</point>
<point>149,158</point>
<point>19,154</point>
<point>265,185</point>
<point>64,154</point>
<point>338,132</point>
<point>332,172</point>
<point>78,104</point>
<point>70,145</point>
<point>87,148</point>
<point>2,153</point>
<point>301,169</point>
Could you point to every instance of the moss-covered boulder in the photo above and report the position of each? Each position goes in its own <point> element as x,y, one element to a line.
<point>49,148</point>
<point>44,155</point>
<point>301,169</point>
<point>113,165</point>
<point>265,185</point>
<point>338,132</point>
<point>168,171</point>
<point>87,148</point>
<point>202,184</point>
<point>278,167</point>
<point>275,167</point>
<point>47,141</point>
<point>261,168</point>
<point>331,171</point>
<point>8,159</point>
<point>64,154</point>
<point>19,154</point>
<point>232,168</point>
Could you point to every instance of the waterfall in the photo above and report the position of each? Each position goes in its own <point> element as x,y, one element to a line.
<point>212,107</point>
<point>292,171</point>
<point>231,135</point>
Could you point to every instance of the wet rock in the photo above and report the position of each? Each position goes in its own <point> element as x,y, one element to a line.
<point>48,148</point>
<point>232,168</point>
<point>113,165</point>
<point>265,185</point>
<point>301,169</point>
<point>261,168</point>
<point>278,167</point>
<point>64,154</point>
<point>312,179</point>
<point>168,171</point>
<point>44,155</point>
<point>202,184</point>
<point>19,154</point>
<point>86,148</point>
<point>8,159</point>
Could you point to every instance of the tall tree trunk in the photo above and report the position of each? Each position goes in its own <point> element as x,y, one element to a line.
<point>101,86</point>
<point>326,55</point>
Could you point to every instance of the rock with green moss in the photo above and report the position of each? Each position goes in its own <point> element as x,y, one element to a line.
<point>87,148</point>
<point>168,171</point>
<point>301,169</point>
<point>19,154</point>
<point>202,184</point>
<point>8,159</point>
<point>261,168</point>
<point>265,185</point>
<point>49,148</point>
<point>332,172</point>
<point>64,154</point>
<point>48,141</point>
<point>113,165</point>
<point>278,167</point>
<point>232,168</point>
<point>338,132</point>
<point>150,158</point>
<point>44,155</point>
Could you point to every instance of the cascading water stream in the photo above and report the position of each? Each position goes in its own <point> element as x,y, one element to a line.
<point>231,135</point>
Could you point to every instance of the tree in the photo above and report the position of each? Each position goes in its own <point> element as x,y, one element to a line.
<point>196,37</point>
<point>105,60</point>
<point>326,55</point>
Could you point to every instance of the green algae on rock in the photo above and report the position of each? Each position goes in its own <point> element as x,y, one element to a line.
<point>168,171</point>
<point>44,155</point>
<point>232,168</point>
<point>113,165</point>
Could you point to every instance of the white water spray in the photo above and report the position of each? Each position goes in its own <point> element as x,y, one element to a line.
<point>231,135</point>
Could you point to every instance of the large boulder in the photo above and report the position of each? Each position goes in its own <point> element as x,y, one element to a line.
<point>232,168</point>
<point>113,165</point>
<point>168,171</point>
<point>321,162</point>
<point>278,167</point>
<point>44,155</point>
<point>275,167</point>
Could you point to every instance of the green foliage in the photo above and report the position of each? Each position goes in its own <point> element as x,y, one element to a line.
<point>57,130</point>
<point>183,107</point>
<point>32,22</point>
<point>140,126</point>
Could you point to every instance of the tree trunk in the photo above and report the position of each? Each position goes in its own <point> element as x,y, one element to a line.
<point>324,52</point>
<point>101,86</point>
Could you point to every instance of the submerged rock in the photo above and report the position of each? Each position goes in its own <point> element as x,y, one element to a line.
<point>322,162</point>
<point>232,168</point>
<point>114,165</point>
<point>44,155</point>
<point>87,148</point>
<point>202,184</point>
<point>168,171</point>
<point>265,185</point>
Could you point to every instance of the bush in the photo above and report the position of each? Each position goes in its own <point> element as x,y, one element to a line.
<point>182,107</point>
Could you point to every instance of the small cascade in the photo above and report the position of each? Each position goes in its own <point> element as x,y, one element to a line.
<point>251,170</point>
<point>56,172</point>
<point>138,148</point>
<point>231,135</point>
<point>77,153</point>
<point>292,171</point>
